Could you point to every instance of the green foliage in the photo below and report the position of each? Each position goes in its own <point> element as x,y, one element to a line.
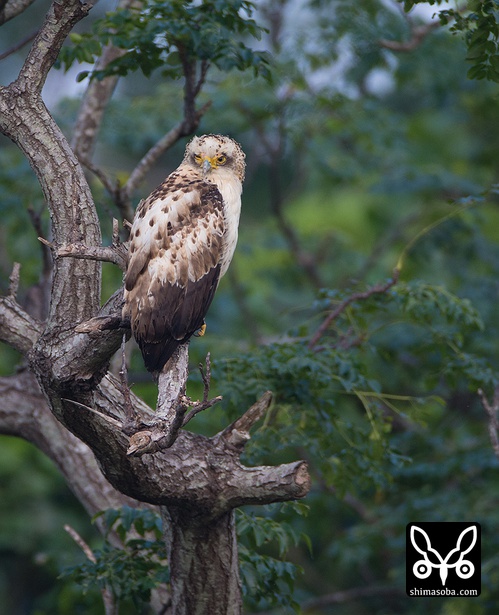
<point>268,582</point>
<point>384,407</point>
<point>169,35</point>
<point>132,572</point>
<point>479,27</point>
<point>409,4</point>
<point>20,194</point>
<point>338,402</point>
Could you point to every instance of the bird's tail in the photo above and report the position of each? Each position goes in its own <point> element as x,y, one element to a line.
<point>156,354</point>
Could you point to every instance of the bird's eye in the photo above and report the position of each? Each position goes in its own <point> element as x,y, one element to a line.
<point>198,159</point>
<point>222,159</point>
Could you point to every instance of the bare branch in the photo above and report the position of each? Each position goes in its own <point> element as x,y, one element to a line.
<point>95,101</point>
<point>199,407</point>
<point>102,323</point>
<point>107,594</point>
<point>17,328</point>
<point>109,254</point>
<point>361,296</point>
<point>13,8</point>
<point>109,419</point>
<point>116,253</point>
<point>171,413</point>
<point>24,413</point>
<point>14,281</point>
<point>238,433</point>
<point>112,188</point>
<point>89,554</point>
<point>164,144</point>
<point>206,403</point>
<point>205,66</point>
<point>492,409</point>
<point>418,34</point>
<point>170,407</point>
<point>19,45</point>
<point>171,383</point>
<point>93,106</point>
<point>58,24</point>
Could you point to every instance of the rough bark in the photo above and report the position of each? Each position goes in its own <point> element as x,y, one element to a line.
<point>12,8</point>
<point>202,555</point>
<point>83,417</point>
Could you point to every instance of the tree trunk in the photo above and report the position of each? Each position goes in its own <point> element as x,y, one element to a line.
<point>203,560</point>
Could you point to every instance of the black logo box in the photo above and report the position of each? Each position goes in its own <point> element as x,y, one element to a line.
<point>443,537</point>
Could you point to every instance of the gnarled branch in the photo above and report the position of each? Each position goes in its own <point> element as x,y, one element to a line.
<point>17,327</point>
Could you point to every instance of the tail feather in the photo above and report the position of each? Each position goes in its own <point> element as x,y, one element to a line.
<point>156,354</point>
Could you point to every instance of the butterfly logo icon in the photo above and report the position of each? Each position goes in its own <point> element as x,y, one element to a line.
<point>432,558</point>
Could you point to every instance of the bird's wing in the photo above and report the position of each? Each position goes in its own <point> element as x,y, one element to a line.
<point>176,246</point>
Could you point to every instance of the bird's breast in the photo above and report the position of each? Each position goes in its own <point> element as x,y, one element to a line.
<point>231,195</point>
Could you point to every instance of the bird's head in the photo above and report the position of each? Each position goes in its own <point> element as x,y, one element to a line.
<point>215,153</point>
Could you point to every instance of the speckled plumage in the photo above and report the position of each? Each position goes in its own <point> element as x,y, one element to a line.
<point>182,240</point>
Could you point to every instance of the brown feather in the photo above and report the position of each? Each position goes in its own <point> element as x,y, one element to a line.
<point>173,268</point>
<point>181,243</point>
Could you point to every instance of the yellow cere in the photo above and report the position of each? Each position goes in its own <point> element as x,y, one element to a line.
<point>214,160</point>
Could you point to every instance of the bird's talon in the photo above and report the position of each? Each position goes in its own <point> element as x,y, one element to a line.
<point>201,331</point>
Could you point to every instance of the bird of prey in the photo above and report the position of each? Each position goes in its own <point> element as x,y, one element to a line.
<point>182,240</point>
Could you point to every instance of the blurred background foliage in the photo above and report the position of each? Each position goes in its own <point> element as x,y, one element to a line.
<point>358,154</point>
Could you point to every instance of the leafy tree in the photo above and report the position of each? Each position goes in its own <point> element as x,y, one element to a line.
<point>70,365</point>
<point>362,296</point>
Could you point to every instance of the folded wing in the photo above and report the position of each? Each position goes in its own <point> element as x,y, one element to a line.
<point>176,249</point>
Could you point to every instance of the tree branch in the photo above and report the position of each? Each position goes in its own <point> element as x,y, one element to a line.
<point>14,281</point>
<point>24,413</point>
<point>188,124</point>
<point>361,296</point>
<point>165,143</point>
<point>492,409</point>
<point>110,606</point>
<point>107,254</point>
<point>238,433</point>
<point>82,359</point>
<point>96,99</point>
<point>17,328</point>
<point>206,403</point>
<point>13,8</point>
<point>19,45</point>
<point>193,469</point>
<point>418,34</point>
<point>172,406</point>
<point>58,23</point>
<point>116,253</point>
